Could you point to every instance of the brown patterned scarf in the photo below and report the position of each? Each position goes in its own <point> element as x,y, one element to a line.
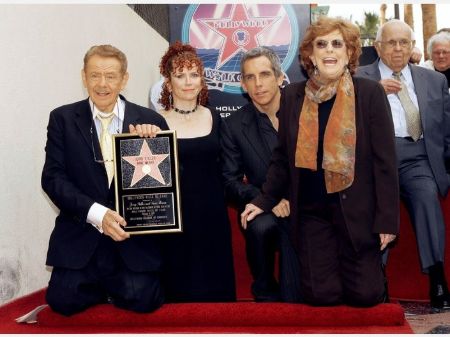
<point>340,132</point>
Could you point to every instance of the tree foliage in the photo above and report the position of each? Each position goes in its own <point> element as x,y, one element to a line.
<point>369,28</point>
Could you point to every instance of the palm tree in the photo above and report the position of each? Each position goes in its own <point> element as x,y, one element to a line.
<point>428,24</point>
<point>408,15</point>
<point>383,8</point>
<point>369,28</point>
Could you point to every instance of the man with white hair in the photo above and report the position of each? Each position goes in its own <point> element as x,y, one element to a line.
<point>439,48</point>
<point>420,106</point>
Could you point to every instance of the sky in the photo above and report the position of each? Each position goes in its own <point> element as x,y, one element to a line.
<point>357,14</point>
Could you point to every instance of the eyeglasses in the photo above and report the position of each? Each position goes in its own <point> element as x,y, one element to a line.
<point>441,52</point>
<point>393,43</point>
<point>110,78</point>
<point>336,44</point>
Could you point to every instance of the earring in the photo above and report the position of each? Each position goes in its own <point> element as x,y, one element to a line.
<point>170,100</point>
<point>316,71</point>
<point>347,69</point>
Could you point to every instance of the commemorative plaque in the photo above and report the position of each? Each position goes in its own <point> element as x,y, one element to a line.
<point>146,183</point>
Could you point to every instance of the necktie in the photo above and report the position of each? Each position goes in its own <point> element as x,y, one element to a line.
<point>413,125</point>
<point>106,144</point>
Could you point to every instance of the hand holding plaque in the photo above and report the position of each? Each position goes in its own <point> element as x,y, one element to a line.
<point>146,184</point>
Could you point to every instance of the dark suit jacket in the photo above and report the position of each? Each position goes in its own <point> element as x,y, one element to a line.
<point>434,107</point>
<point>243,153</point>
<point>371,204</point>
<point>74,181</point>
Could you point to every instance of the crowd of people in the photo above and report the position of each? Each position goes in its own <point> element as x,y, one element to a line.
<point>316,170</point>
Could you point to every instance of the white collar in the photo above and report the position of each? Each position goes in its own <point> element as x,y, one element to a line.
<point>119,105</point>
<point>386,72</point>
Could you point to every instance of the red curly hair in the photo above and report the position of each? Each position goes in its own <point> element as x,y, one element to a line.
<point>177,57</point>
<point>323,26</point>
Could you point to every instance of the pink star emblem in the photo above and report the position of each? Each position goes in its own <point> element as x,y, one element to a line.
<point>240,31</point>
<point>146,163</point>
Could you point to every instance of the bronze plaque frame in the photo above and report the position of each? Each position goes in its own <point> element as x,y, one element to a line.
<point>146,182</point>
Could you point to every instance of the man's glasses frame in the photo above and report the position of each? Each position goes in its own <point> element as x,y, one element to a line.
<point>441,52</point>
<point>110,77</point>
<point>403,43</point>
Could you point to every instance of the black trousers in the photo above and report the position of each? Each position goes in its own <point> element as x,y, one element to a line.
<point>106,278</point>
<point>265,235</point>
<point>262,237</point>
<point>331,271</point>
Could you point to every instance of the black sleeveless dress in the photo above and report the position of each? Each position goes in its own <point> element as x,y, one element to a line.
<point>198,263</point>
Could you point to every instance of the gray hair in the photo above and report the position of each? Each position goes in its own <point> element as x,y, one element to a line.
<point>442,37</point>
<point>263,51</point>
<point>106,50</point>
<point>391,22</point>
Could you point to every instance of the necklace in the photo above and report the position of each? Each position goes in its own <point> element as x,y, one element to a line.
<point>184,112</point>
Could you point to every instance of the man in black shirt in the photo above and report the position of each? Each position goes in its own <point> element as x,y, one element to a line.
<point>248,137</point>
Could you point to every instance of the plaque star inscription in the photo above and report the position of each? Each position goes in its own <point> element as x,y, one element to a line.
<point>146,163</point>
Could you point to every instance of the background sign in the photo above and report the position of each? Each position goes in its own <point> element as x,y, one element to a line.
<point>221,33</point>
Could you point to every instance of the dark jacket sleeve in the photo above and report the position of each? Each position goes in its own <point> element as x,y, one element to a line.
<point>55,180</point>
<point>278,176</point>
<point>237,191</point>
<point>384,163</point>
<point>446,95</point>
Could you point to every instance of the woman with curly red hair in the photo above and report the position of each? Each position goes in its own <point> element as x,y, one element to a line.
<point>198,263</point>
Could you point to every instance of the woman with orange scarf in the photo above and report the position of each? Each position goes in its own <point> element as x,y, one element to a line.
<point>336,158</point>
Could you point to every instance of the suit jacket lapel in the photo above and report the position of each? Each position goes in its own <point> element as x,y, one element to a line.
<point>253,135</point>
<point>84,122</point>
<point>87,129</point>
<point>373,71</point>
<point>130,116</point>
<point>420,86</point>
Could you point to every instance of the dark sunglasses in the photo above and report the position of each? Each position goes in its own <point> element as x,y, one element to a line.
<point>336,44</point>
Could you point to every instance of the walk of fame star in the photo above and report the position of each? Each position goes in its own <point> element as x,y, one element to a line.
<point>146,163</point>
<point>240,31</point>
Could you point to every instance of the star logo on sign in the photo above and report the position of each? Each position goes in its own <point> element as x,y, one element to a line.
<point>240,31</point>
<point>146,163</point>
